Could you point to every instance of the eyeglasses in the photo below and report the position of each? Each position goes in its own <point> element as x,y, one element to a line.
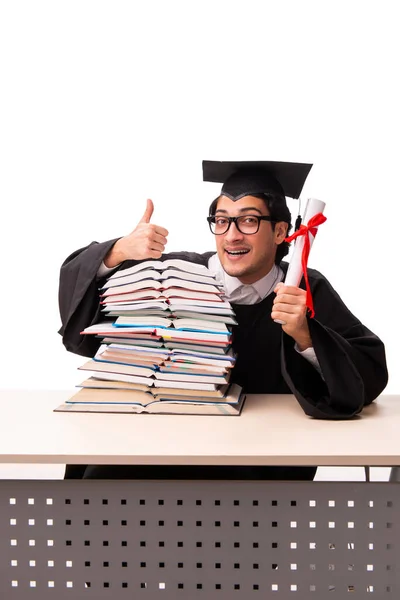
<point>246,224</point>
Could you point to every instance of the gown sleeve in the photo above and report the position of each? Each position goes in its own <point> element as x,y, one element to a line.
<point>78,296</point>
<point>351,357</point>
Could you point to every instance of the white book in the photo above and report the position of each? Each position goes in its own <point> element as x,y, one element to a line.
<point>164,295</point>
<point>181,265</point>
<point>160,285</point>
<point>176,334</point>
<point>147,321</point>
<point>157,276</point>
<point>97,366</point>
<point>199,324</point>
<point>184,377</point>
<point>182,314</point>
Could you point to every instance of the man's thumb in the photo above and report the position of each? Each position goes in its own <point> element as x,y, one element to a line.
<point>148,212</point>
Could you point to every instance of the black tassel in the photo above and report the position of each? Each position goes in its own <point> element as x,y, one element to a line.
<point>298,223</point>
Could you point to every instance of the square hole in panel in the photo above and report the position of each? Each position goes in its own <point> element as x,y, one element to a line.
<point>274,502</point>
<point>50,563</point>
<point>293,567</point>
<point>350,524</point>
<point>69,584</point>
<point>255,502</point>
<point>161,544</point>
<point>32,584</point>
<point>331,503</point>
<point>31,501</point>
<point>161,586</point>
<point>50,584</point>
<point>198,523</point>
<point>179,502</point>
<point>331,524</point>
<point>293,524</point>
<point>389,504</point>
<point>350,503</point>
<point>124,543</point>
<point>217,544</point>
<point>14,563</point>
<point>142,502</point>
<point>14,521</point>
<point>312,524</point>
<point>50,522</point>
<point>104,501</point>
<point>161,503</point>
<point>179,523</point>
<point>32,563</point>
<point>256,545</point>
<point>199,544</point>
<point>33,542</point>
<point>67,500</point>
<point>236,503</point>
<point>293,503</point>
<point>86,501</point>
<point>236,586</point>
<point>312,503</point>
<point>274,587</point>
<point>14,583</point>
<point>370,546</point>
<point>13,542</point>
<point>237,545</point>
<point>161,565</point>
<point>68,563</point>
<point>293,587</point>
<point>198,503</point>
<point>217,502</point>
<point>13,501</point>
<point>256,586</point>
<point>370,567</point>
<point>218,586</point>
<point>123,502</point>
<point>293,545</point>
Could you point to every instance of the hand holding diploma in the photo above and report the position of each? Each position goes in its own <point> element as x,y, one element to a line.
<point>298,265</point>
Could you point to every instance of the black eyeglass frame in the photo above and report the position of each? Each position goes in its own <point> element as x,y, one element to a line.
<point>211,220</point>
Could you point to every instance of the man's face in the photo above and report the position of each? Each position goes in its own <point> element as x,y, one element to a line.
<point>258,250</point>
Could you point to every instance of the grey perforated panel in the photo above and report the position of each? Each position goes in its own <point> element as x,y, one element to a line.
<point>223,540</point>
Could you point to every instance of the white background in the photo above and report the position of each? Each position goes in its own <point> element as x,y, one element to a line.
<point>104,104</point>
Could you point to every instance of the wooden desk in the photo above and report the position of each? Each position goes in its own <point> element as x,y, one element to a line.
<point>198,539</point>
<point>272,430</point>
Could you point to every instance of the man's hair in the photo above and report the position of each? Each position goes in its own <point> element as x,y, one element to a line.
<point>278,211</point>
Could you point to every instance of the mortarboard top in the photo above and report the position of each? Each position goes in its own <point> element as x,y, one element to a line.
<point>247,178</point>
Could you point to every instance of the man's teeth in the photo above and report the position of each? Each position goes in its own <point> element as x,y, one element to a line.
<point>237,252</point>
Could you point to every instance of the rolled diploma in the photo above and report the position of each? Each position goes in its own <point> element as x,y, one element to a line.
<point>294,272</point>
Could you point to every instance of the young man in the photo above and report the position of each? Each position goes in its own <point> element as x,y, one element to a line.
<point>332,363</point>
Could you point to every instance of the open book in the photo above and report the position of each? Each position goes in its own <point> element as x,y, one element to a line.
<point>179,264</point>
<point>131,401</point>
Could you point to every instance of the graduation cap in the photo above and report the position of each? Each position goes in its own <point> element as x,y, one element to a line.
<point>249,178</point>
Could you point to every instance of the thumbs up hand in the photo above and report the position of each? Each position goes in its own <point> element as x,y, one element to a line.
<point>144,242</point>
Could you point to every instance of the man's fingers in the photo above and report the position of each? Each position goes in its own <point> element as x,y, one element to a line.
<point>156,246</point>
<point>289,299</point>
<point>157,237</point>
<point>148,212</point>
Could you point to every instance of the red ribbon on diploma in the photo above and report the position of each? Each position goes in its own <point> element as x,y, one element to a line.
<point>311,227</point>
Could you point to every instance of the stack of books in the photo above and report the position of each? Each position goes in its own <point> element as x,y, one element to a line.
<point>168,349</point>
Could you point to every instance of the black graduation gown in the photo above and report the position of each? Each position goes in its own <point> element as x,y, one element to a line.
<point>351,357</point>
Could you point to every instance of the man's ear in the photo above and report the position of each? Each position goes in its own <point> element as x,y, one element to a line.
<point>280,231</point>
